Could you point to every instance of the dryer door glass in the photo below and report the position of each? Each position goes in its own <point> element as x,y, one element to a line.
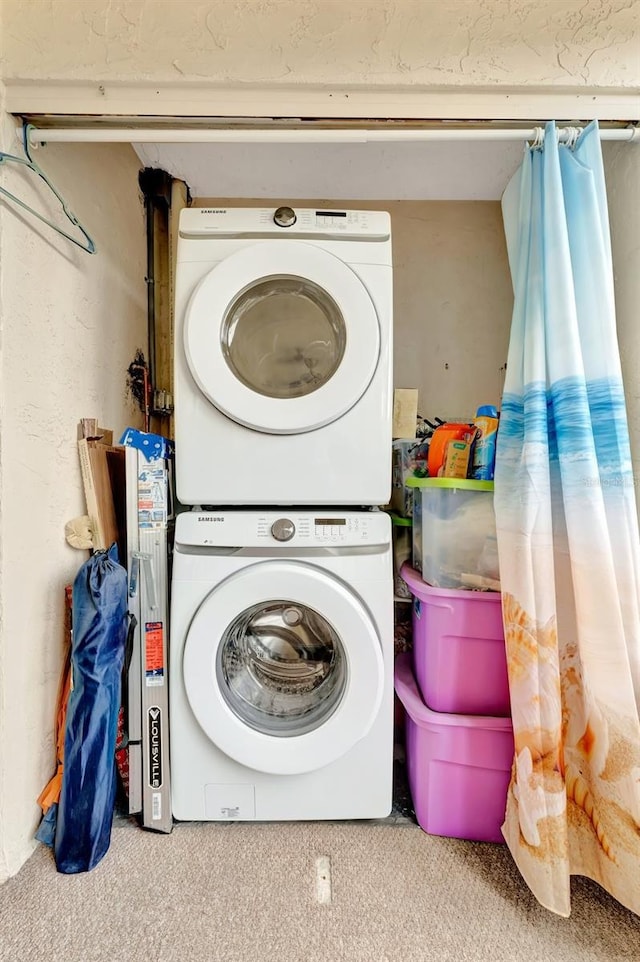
<point>281,668</point>
<point>284,337</point>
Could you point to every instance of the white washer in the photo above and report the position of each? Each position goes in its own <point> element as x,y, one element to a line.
<point>283,357</point>
<point>281,666</point>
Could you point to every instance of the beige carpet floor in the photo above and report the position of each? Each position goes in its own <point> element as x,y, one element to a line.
<point>261,893</point>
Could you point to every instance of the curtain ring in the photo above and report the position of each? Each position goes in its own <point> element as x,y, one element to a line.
<point>538,139</point>
<point>570,136</point>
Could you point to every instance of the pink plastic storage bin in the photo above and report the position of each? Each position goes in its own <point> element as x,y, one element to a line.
<point>459,766</point>
<point>459,654</point>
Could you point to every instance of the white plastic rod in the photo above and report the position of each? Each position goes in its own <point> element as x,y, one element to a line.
<point>298,135</point>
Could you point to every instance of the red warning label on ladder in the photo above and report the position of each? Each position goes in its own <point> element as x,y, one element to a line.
<point>154,652</point>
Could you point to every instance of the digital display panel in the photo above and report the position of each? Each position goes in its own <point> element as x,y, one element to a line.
<point>331,213</point>
<point>330,521</point>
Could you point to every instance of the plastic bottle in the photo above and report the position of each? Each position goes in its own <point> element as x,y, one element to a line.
<point>484,453</point>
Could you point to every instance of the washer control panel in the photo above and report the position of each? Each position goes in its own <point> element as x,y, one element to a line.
<point>336,530</point>
<point>320,530</point>
<point>268,528</point>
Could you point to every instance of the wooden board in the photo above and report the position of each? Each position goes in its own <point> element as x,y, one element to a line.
<point>102,469</point>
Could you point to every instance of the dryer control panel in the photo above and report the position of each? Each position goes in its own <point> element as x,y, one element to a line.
<point>275,529</point>
<point>246,222</point>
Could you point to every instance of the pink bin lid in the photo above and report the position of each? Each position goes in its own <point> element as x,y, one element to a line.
<point>421,589</point>
<point>407,690</point>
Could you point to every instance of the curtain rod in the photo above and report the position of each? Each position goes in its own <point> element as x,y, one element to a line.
<point>256,135</point>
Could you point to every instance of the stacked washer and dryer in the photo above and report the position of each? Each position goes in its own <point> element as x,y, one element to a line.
<point>281,643</point>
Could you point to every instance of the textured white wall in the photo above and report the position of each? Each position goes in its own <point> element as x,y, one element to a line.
<point>417,42</point>
<point>4,774</point>
<point>70,326</point>
<point>452,302</point>
<point>622,170</point>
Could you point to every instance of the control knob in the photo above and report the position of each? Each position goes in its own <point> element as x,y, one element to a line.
<point>285,217</point>
<point>283,529</point>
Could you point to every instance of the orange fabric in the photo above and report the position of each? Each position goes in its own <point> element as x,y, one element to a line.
<point>51,792</point>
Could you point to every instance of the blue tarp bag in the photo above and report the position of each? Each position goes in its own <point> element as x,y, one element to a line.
<point>87,796</point>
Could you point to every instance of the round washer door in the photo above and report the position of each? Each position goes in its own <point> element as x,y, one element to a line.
<point>283,667</point>
<point>282,337</point>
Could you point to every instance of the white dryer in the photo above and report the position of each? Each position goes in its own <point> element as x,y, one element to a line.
<point>283,357</point>
<point>281,666</point>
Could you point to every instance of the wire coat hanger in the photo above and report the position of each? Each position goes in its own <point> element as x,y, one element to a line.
<point>30,164</point>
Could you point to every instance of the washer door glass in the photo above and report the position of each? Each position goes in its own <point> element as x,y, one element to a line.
<point>281,668</point>
<point>284,337</point>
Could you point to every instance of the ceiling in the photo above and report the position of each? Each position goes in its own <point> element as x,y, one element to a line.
<point>469,170</point>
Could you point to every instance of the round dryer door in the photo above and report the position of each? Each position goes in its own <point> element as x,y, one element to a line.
<point>283,668</point>
<point>282,337</point>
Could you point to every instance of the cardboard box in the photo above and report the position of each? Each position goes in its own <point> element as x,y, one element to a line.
<point>405,413</point>
<point>457,459</point>
<point>102,471</point>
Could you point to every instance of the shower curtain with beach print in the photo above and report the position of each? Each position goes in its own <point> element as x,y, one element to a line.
<point>568,537</point>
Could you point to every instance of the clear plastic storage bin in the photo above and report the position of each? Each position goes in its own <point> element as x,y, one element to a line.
<point>409,459</point>
<point>454,533</point>
<point>401,529</point>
